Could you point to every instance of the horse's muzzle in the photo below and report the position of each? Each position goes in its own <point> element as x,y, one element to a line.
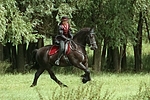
<point>93,47</point>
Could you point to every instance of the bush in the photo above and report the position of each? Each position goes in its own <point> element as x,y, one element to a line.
<point>4,66</point>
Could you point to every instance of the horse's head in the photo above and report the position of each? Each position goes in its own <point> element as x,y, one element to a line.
<point>86,36</point>
<point>91,39</point>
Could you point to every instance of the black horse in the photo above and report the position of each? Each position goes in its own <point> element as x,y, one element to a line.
<point>75,55</point>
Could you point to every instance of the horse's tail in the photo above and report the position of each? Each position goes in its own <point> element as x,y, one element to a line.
<point>34,52</point>
<point>35,65</point>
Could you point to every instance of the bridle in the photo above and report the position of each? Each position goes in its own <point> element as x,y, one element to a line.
<point>91,40</point>
<point>88,38</point>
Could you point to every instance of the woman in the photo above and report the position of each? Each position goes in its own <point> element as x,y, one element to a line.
<point>64,34</point>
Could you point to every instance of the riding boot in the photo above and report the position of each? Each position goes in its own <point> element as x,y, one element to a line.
<point>60,53</point>
<point>58,59</point>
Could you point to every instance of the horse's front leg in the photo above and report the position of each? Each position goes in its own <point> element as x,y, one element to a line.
<point>52,75</point>
<point>86,76</point>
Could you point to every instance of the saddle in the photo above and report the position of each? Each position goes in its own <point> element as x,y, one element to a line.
<point>55,48</point>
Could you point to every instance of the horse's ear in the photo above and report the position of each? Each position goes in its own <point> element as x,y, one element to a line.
<point>92,30</point>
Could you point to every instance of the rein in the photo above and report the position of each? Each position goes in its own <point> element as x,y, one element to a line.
<point>77,43</point>
<point>91,42</point>
<point>75,49</point>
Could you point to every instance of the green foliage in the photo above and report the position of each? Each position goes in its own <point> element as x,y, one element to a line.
<point>118,22</point>
<point>39,8</point>
<point>64,9</point>
<point>47,13</point>
<point>17,28</point>
<point>142,6</point>
<point>114,20</point>
<point>3,23</point>
<point>83,14</point>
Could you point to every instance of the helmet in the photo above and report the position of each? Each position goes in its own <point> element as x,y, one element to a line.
<point>64,18</point>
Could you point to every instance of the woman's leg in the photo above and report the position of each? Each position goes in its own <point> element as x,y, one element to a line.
<point>60,53</point>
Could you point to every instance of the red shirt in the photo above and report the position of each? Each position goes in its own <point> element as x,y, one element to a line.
<point>65,28</point>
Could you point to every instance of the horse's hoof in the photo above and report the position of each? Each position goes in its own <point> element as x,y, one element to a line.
<point>83,75</point>
<point>32,85</point>
<point>63,85</point>
<point>84,80</point>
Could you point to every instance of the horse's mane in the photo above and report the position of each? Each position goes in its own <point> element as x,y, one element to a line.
<point>83,30</point>
<point>80,35</point>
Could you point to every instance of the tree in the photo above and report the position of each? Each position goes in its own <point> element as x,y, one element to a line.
<point>140,13</point>
<point>3,29</point>
<point>17,30</point>
<point>25,23</point>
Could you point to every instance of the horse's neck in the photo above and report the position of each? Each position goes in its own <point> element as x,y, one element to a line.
<point>80,40</point>
<point>80,46</point>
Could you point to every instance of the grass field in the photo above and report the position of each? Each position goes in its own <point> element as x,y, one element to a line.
<point>102,87</point>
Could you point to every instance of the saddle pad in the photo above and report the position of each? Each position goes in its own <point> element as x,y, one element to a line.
<point>54,49</point>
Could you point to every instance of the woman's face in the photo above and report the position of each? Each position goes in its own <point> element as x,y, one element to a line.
<point>65,21</point>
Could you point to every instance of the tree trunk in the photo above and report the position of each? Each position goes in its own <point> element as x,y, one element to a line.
<point>147,28</point>
<point>13,57</point>
<point>138,46</point>
<point>113,62</point>
<point>40,42</point>
<point>124,59</point>
<point>1,52</point>
<point>103,59</point>
<point>115,59</point>
<point>31,47</point>
<point>10,56</point>
<point>109,65</point>
<point>6,51</point>
<point>20,58</point>
<point>97,58</point>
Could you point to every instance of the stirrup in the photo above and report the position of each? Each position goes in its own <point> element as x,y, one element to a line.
<point>57,62</point>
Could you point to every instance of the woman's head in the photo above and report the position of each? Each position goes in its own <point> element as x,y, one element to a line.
<point>64,19</point>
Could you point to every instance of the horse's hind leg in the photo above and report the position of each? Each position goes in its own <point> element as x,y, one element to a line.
<point>52,75</point>
<point>37,74</point>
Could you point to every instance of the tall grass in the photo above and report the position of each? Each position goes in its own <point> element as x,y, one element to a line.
<point>102,87</point>
<point>89,92</point>
<point>143,93</point>
<point>4,67</point>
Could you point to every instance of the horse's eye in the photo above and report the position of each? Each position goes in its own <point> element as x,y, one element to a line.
<point>91,36</point>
